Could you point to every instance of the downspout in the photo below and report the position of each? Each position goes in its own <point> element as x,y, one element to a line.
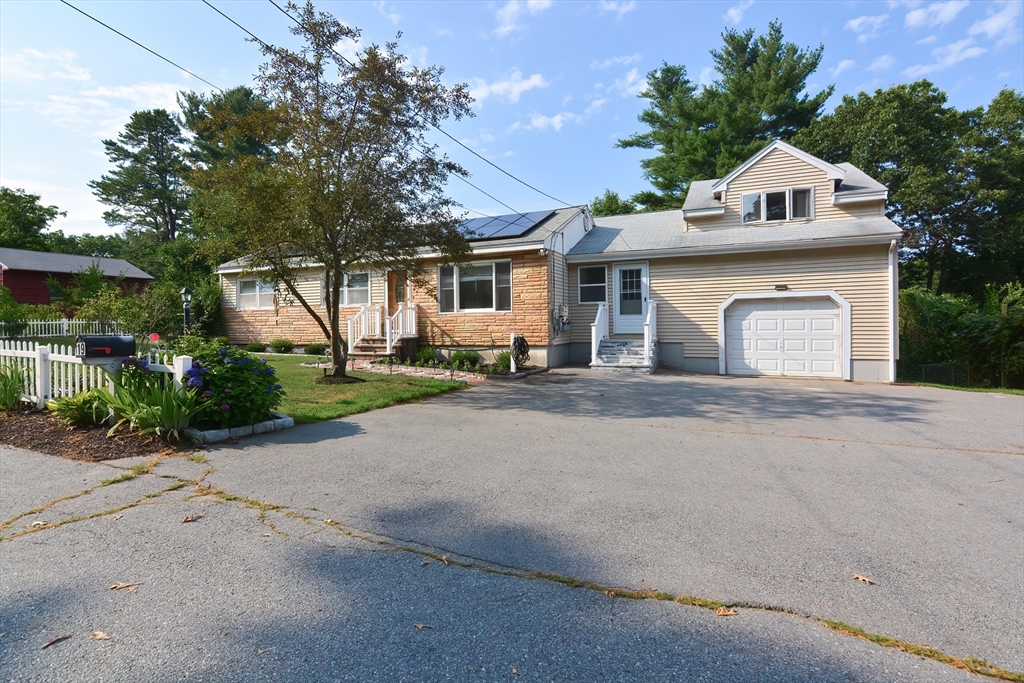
<point>894,322</point>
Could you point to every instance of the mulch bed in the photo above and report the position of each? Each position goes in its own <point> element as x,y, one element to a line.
<point>40,431</point>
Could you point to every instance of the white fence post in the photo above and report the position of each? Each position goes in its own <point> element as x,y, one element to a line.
<point>42,376</point>
<point>182,364</point>
<point>511,350</point>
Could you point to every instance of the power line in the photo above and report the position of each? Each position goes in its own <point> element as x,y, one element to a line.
<point>261,42</point>
<point>441,130</point>
<point>132,40</point>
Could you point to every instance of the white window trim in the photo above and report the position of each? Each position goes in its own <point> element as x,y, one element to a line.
<point>580,285</point>
<point>494,287</point>
<point>343,292</point>
<point>259,295</point>
<point>789,204</point>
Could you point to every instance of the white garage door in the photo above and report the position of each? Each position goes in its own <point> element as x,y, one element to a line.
<point>788,336</point>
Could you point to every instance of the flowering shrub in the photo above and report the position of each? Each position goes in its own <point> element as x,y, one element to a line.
<point>235,387</point>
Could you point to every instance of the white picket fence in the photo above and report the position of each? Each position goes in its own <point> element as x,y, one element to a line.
<point>52,371</point>
<point>63,328</point>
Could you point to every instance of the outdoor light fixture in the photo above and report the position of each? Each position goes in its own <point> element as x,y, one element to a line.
<point>186,301</point>
<point>781,288</point>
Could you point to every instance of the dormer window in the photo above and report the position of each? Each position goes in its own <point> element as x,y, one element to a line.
<point>796,203</point>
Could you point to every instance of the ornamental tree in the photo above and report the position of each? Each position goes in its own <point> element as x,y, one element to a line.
<point>348,177</point>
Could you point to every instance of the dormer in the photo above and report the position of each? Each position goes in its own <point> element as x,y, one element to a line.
<point>782,184</point>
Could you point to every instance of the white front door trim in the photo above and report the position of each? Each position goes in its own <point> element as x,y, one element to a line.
<point>635,323</point>
<point>844,308</point>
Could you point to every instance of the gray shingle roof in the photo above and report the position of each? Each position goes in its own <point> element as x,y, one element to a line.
<point>700,196</point>
<point>666,230</point>
<point>858,182</point>
<point>537,235</point>
<point>45,262</point>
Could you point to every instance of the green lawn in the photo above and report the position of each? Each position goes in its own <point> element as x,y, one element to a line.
<point>307,401</point>
<point>985,390</point>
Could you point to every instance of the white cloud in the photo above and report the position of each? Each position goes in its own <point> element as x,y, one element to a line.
<point>508,14</point>
<point>842,66</point>
<point>509,90</point>
<point>630,84</point>
<point>947,56</point>
<point>706,76</point>
<point>85,213</point>
<point>866,27</point>
<point>418,55</point>
<point>486,137</point>
<point>1000,24</point>
<point>33,65</point>
<point>447,32</point>
<point>348,48</point>
<point>595,107</point>
<point>935,14</point>
<point>140,95</point>
<point>893,4</point>
<point>734,14</point>
<point>393,16</point>
<point>566,100</point>
<point>541,122</point>
<point>625,60</point>
<point>928,40</point>
<point>881,63</point>
<point>619,7</point>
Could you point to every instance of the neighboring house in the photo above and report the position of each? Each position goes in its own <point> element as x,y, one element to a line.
<point>26,273</point>
<point>786,266</point>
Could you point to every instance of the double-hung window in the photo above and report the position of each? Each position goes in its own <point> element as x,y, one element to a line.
<point>255,295</point>
<point>475,287</point>
<point>795,203</point>
<point>355,289</point>
<point>593,285</point>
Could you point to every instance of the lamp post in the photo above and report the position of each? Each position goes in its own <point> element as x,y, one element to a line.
<point>186,301</point>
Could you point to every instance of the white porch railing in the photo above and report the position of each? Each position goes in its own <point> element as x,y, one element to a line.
<point>365,323</point>
<point>61,328</point>
<point>651,334</point>
<point>598,331</point>
<point>49,372</point>
<point>400,325</point>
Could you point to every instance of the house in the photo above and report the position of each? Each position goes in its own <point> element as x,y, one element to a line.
<point>26,273</point>
<point>786,266</point>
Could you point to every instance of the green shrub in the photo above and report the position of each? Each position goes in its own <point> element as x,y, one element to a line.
<point>315,349</point>
<point>427,354</point>
<point>10,387</point>
<point>465,358</point>
<point>503,361</point>
<point>282,345</point>
<point>234,387</point>
<point>84,409</point>
<point>255,347</point>
<point>164,411</point>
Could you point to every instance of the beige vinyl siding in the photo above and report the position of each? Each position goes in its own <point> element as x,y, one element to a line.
<point>582,315</point>
<point>228,291</point>
<point>560,294</point>
<point>309,287</point>
<point>689,291</point>
<point>779,171</point>
<point>378,282</point>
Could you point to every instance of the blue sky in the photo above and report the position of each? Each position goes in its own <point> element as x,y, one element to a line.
<point>555,82</point>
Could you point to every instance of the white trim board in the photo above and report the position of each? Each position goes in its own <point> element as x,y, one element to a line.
<point>833,172</point>
<point>844,308</point>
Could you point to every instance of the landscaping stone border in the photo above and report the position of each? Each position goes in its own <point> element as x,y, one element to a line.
<point>276,424</point>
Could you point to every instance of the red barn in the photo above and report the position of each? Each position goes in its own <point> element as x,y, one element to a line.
<point>25,272</point>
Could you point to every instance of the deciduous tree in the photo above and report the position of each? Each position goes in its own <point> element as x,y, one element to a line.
<point>23,220</point>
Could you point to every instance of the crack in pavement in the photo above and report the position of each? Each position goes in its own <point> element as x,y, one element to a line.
<point>385,543</point>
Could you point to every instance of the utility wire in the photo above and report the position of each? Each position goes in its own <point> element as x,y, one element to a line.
<point>441,130</point>
<point>261,42</point>
<point>153,52</point>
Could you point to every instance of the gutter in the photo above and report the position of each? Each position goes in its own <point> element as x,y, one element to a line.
<point>861,197</point>
<point>604,257</point>
<point>697,213</point>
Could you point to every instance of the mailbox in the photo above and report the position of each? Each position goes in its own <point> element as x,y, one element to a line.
<point>104,350</point>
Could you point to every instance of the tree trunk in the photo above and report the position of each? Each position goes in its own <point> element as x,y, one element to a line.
<point>932,257</point>
<point>339,347</point>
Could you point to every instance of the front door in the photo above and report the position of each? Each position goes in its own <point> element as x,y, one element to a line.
<point>398,290</point>
<point>630,297</point>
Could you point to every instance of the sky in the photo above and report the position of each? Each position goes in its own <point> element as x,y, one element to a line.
<point>555,83</point>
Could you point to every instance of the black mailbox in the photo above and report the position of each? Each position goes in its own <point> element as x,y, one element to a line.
<point>103,350</point>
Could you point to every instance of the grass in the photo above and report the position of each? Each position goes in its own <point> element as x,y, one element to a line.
<point>306,401</point>
<point>984,390</point>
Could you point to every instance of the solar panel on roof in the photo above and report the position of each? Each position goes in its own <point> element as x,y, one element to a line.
<point>504,227</point>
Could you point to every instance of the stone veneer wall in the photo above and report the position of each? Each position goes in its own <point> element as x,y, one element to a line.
<point>530,314</point>
<point>286,322</point>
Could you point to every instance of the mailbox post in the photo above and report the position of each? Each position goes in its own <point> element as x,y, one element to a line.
<point>108,352</point>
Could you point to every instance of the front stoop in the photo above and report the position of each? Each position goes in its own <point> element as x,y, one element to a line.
<point>372,348</point>
<point>623,355</point>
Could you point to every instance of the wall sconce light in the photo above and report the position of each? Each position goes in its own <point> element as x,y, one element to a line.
<point>781,288</point>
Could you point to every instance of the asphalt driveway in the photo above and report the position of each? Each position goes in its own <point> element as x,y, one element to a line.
<point>758,493</point>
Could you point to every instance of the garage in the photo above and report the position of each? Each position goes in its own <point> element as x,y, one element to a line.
<point>791,336</point>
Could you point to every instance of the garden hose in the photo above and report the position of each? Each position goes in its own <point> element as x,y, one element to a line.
<point>520,350</point>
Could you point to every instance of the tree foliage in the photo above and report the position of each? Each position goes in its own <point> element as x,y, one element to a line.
<point>702,134</point>
<point>23,220</point>
<point>146,190</point>
<point>611,204</point>
<point>349,178</point>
